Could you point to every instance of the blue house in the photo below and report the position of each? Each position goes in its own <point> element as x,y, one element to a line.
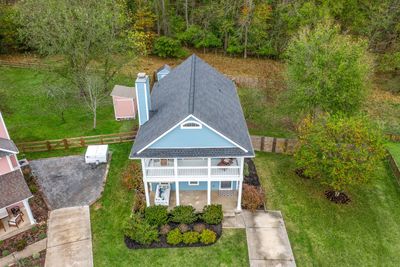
<point>192,139</point>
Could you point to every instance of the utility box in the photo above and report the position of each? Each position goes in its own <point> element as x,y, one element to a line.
<point>96,154</point>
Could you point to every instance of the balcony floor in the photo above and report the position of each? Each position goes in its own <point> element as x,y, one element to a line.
<point>11,231</point>
<point>198,199</point>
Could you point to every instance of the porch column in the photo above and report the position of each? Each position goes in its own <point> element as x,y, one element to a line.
<point>177,192</point>
<point>28,211</point>
<point>208,192</point>
<point>146,192</point>
<point>239,201</point>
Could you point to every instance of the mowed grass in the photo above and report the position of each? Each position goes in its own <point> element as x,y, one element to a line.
<point>108,214</point>
<point>30,116</point>
<point>394,149</point>
<point>362,233</point>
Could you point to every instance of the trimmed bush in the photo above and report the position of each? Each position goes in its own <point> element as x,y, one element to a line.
<point>165,229</point>
<point>168,47</point>
<point>132,177</point>
<point>208,237</point>
<point>21,244</point>
<point>174,237</point>
<point>140,230</point>
<point>190,237</point>
<point>5,253</point>
<point>183,228</point>
<point>139,203</point>
<point>36,256</point>
<point>156,215</point>
<point>199,227</point>
<point>183,214</point>
<point>253,197</point>
<point>212,214</point>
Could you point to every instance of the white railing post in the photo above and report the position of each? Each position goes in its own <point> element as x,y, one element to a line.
<point>145,184</point>
<point>209,182</point>
<point>29,211</point>
<point>177,192</point>
<point>239,201</point>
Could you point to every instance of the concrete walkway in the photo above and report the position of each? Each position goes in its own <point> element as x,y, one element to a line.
<point>267,239</point>
<point>27,252</point>
<point>69,238</point>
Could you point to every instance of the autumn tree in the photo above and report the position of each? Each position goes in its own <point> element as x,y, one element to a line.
<point>339,151</point>
<point>327,71</point>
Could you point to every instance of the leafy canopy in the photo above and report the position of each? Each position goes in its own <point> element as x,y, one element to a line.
<point>327,71</point>
<point>339,151</point>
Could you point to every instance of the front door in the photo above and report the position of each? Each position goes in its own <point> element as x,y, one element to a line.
<point>225,185</point>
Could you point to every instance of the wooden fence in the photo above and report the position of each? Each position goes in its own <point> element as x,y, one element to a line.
<point>75,142</point>
<point>273,144</point>
<point>393,137</point>
<point>394,166</point>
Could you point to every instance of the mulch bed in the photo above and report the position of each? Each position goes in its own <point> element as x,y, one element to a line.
<point>38,260</point>
<point>252,178</point>
<point>40,213</point>
<point>163,238</point>
<point>342,198</point>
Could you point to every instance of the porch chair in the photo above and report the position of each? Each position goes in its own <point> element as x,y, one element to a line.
<point>15,221</point>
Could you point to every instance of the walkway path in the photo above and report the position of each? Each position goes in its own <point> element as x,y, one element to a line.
<point>267,239</point>
<point>69,238</point>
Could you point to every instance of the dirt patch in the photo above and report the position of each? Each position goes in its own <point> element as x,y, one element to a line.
<point>251,176</point>
<point>342,198</point>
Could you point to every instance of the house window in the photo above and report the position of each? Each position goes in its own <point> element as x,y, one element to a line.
<point>191,125</point>
<point>194,183</point>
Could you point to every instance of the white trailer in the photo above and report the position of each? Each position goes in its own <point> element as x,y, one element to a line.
<point>96,154</point>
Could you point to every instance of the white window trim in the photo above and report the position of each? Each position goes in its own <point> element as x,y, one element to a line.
<point>193,183</point>
<point>199,126</point>
<point>220,188</point>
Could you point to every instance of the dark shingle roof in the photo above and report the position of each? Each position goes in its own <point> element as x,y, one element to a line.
<point>13,188</point>
<point>123,91</point>
<point>194,152</point>
<point>196,88</point>
<point>7,147</point>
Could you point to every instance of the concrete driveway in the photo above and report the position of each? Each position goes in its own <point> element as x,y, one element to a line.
<point>69,238</point>
<point>69,181</point>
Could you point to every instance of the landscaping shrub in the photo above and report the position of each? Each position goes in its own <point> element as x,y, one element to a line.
<point>183,228</point>
<point>174,237</point>
<point>212,214</point>
<point>21,244</point>
<point>42,236</point>
<point>156,215</point>
<point>208,237</point>
<point>253,197</point>
<point>168,47</point>
<point>33,188</point>
<point>140,230</point>
<point>190,237</point>
<point>36,256</point>
<point>5,253</point>
<point>139,203</point>
<point>165,229</point>
<point>183,214</point>
<point>199,227</point>
<point>132,177</point>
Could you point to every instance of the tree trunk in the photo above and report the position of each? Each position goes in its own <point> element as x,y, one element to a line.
<point>94,119</point>
<point>186,14</point>
<point>164,18</point>
<point>62,117</point>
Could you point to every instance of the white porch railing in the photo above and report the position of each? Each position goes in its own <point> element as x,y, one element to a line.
<point>192,171</point>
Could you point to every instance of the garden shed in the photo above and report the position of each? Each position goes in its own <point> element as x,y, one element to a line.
<point>124,102</point>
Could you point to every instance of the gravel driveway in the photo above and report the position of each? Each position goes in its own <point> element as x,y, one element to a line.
<point>69,181</point>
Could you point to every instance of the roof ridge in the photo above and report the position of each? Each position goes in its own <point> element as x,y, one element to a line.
<point>192,85</point>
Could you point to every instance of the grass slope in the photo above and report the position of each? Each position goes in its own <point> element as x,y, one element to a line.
<point>362,233</point>
<point>30,116</point>
<point>109,249</point>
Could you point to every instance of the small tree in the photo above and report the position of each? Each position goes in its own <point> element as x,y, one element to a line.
<point>168,47</point>
<point>94,95</point>
<point>327,71</point>
<point>339,151</point>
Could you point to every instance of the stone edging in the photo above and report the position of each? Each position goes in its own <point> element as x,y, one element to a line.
<point>27,252</point>
<point>104,180</point>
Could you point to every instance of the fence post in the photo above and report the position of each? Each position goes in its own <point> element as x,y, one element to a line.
<point>65,141</point>
<point>262,143</point>
<point>82,142</point>
<point>48,145</point>
<point>274,145</point>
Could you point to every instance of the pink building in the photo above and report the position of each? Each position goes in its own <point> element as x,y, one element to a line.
<point>124,100</point>
<point>14,192</point>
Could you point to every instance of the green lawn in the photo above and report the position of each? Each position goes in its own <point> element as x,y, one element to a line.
<point>110,250</point>
<point>30,116</point>
<point>362,233</point>
<point>394,149</point>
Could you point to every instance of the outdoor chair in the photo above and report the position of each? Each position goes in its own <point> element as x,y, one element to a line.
<point>15,221</point>
<point>16,210</point>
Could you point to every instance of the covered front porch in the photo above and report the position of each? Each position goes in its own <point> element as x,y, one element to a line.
<point>198,199</point>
